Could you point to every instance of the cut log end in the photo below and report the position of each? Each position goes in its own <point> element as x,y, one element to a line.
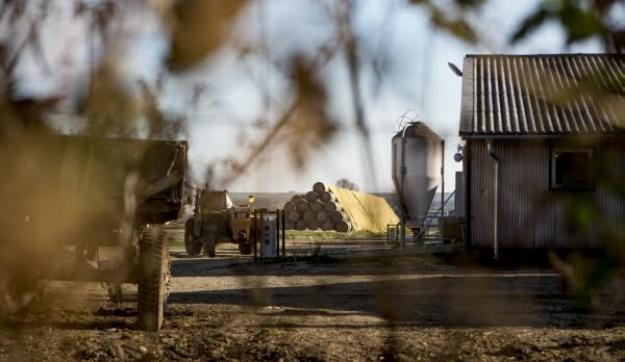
<point>319,187</point>
<point>342,226</point>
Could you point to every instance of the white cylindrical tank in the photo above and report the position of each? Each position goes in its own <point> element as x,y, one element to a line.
<point>417,161</point>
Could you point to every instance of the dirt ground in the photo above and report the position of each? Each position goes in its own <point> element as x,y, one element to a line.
<point>411,308</point>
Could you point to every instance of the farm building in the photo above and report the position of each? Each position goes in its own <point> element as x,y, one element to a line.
<point>544,153</point>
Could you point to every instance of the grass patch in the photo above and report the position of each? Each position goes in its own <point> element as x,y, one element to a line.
<point>175,241</point>
<point>328,235</point>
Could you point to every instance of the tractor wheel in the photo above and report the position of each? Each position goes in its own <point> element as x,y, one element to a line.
<point>245,248</point>
<point>115,293</point>
<point>191,243</point>
<point>153,278</point>
<point>209,245</point>
<point>18,293</point>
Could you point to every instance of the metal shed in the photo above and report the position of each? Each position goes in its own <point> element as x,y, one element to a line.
<point>544,144</point>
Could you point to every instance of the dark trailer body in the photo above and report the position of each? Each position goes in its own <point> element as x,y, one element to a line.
<point>72,195</point>
<point>544,153</point>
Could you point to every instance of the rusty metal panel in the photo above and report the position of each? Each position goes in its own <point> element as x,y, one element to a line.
<point>530,214</point>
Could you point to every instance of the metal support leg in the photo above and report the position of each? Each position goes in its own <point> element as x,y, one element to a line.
<point>254,233</point>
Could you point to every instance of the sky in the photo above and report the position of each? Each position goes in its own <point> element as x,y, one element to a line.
<point>418,85</point>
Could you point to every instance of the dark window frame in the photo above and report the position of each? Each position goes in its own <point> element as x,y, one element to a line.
<point>553,151</point>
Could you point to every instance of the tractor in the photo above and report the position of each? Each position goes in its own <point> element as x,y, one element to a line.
<point>215,220</point>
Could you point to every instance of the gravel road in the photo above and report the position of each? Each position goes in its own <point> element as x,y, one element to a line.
<point>411,307</point>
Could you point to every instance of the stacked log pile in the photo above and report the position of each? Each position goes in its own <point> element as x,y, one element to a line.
<point>318,209</point>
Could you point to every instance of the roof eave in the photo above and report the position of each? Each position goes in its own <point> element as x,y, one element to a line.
<point>472,136</point>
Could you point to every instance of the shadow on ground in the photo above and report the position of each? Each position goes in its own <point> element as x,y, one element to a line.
<point>500,299</point>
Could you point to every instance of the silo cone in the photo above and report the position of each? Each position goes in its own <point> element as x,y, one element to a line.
<point>420,156</point>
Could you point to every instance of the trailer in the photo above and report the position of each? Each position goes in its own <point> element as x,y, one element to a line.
<point>78,196</point>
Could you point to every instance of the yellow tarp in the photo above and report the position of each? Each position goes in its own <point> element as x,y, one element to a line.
<point>366,212</point>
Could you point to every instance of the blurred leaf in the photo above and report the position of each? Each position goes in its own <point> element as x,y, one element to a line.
<point>159,125</point>
<point>469,3</point>
<point>456,26</point>
<point>16,10</point>
<point>102,13</point>
<point>310,125</point>
<point>617,41</point>
<point>198,27</point>
<point>452,20</point>
<point>80,8</point>
<point>305,125</point>
<point>110,108</point>
<point>580,20</point>
<point>579,24</point>
<point>585,275</point>
<point>530,24</point>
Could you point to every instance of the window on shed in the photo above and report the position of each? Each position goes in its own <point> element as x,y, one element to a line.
<point>571,169</point>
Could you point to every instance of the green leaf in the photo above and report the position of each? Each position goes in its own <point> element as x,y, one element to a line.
<point>456,26</point>
<point>531,23</point>
<point>579,24</point>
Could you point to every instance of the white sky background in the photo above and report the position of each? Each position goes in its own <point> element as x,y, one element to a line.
<point>418,81</point>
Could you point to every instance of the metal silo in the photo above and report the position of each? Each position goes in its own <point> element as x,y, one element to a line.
<point>417,167</point>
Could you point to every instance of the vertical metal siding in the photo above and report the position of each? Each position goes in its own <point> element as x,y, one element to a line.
<point>530,214</point>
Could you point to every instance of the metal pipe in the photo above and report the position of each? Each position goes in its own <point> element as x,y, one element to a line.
<point>278,233</point>
<point>440,226</point>
<point>283,234</point>
<point>402,173</point>
<point>493,155</point>
<point>254,232</point>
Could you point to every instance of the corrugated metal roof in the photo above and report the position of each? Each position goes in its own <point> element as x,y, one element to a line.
<point>559,94</point>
